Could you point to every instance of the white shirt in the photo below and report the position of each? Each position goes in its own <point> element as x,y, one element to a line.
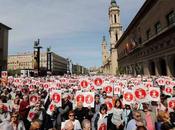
<point>131,125</point>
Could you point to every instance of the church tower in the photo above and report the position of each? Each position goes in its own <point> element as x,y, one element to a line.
<point>104,51</point>
<point>115,31</point>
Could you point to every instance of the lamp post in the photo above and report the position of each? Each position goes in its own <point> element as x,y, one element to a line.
<point>49,63</point>
<point>68,65</point>
<point>37,48</point>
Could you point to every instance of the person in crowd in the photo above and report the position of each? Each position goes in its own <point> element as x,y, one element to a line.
<point>86,124</point>
<point>149,117</point>
<point>127,115</point>
<point>103,97</point>
<point>5,118</point>
<point>15,106</point>
<point>81,112</point>
<point>101,116</point>
<point>117,119</point>
<point>136,121</point>
<point>71,117</point>
<point>16,123</point>
<point>40,114</point>
<point>165,121</point>
<point>97,103</point>
<point>4,113</point>
<point>64,110</point>
<point>68,126</point>
<point>24,109</point>
<point>172,116</point>
<point>35,125</point>
<point>96,108</point>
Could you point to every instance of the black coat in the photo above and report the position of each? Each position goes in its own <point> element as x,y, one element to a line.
<point>81,114</point>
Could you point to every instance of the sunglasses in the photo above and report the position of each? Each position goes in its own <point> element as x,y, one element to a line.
<point>71,115</point>
<point>138,116</point>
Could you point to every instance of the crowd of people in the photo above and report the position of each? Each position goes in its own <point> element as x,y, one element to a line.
<point>17,112</point>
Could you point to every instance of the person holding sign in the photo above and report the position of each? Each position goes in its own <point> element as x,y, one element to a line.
<point>81,112</point>
<point>117,119</point>
<point>64,110</point>
<point>149,117</point>
<point>24,109</point>
<point>101,119</point>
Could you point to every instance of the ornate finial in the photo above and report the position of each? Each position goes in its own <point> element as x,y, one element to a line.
<point>113,3</point>
<point>104,39</point>
<point>36,43</point>
<point>48,49</point>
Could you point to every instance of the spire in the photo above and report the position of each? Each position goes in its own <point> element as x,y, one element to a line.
<point>113,3</point>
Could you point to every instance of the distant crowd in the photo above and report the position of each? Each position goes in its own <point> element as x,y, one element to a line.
<point>87,103</point>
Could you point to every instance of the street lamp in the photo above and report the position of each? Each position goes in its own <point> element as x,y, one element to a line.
<point>49,63</point>
<point>37,56</point>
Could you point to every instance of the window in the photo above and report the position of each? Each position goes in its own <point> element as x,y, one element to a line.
<point>158,27</point>
<point>140,40</point>
<point>148,33</point>
<point>116,37</point>
<point>115,18</point>
<point>170,18</point>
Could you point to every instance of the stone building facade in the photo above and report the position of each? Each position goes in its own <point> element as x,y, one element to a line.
<point>3,46</point>
<point>148,44</point>
<point>25,61</point>
<point>110,64</point>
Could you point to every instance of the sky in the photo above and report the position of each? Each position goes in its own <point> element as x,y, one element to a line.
<point>73,28</point>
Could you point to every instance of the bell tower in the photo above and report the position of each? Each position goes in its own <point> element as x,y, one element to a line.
<point>115,31</point>
<point>104,51</point>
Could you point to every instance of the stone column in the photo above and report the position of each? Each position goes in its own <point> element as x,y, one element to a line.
<point>168,66</point>
<point>145,68</point>
<point>157,67</point>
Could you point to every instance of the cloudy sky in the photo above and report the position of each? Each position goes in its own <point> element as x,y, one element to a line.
<point>73,28</point>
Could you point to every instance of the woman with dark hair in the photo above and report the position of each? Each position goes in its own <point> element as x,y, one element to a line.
<point>15,107</point>
<point>16,123</point>
<point>101,116</point>
<point>117,119</point>
<point>127,115</point>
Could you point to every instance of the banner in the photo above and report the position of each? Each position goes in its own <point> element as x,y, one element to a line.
<point>102,124</point>
<point>171,104</point>
<point>31,115</point>
<point>161,81</point>
<point>168,90</point>
<point>33,99</point>
<point>148,84</point>
<point>140,94</point>
<point>87,98</point>
<point>51,108</point>
<point>56,97</point>
<point>108,88</point>
<point>98,82</point>
<point>84,83</point>
<point>117,90</point>
<point>154,94</point>
<point>4,74</point>
<point>128,97</point>
<point>109,104</point>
